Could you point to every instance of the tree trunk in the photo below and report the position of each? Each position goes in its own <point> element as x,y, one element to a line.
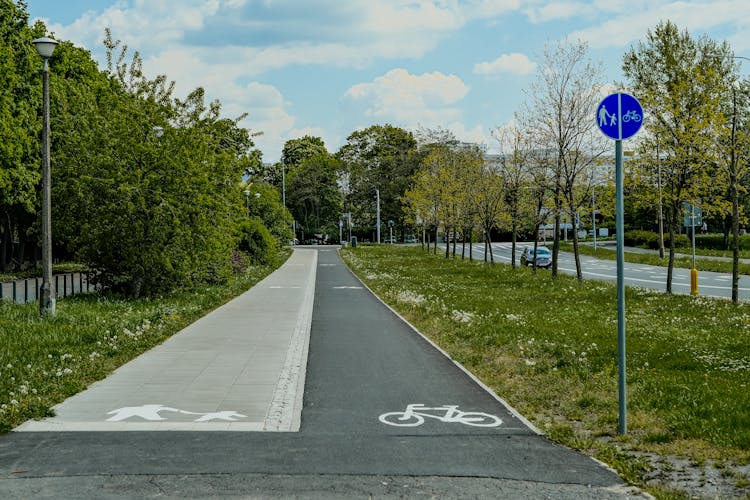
<point>556,245</point>
<point>4,238</point>
<point>471,250</point>
<point>576,251</point>
<point>514,228</point>
<point>670,264</point>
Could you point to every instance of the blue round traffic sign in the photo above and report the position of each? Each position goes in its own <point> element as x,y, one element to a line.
<point>619,116</point>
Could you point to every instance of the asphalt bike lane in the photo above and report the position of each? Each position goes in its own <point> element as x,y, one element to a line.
<point>393,403</point>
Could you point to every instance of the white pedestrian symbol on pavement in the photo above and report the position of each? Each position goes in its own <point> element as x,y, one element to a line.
<point>151,413</point>
<point>146,412</point>
<point>228,416</point>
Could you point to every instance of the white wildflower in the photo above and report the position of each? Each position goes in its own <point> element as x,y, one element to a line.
<point>462,316</point>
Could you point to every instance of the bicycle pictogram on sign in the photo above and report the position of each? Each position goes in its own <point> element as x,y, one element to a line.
<point>619,116</point>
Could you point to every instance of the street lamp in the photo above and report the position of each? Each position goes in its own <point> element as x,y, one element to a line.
<point>45,47</point>
<point>377,194</point>
<point>247,200</point>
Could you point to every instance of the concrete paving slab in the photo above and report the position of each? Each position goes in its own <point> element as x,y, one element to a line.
<point>239,368</point>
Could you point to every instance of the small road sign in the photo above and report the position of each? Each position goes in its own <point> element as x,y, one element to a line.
<point>619,116</point>
<point>693,215</point>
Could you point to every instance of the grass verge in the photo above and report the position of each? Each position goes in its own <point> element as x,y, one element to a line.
<point>549,347</point>
<point>45,361</point>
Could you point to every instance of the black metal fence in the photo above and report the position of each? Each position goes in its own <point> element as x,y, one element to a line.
<point>27,290</point>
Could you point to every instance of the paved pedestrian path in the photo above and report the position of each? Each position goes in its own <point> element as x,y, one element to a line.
<point>240,368</point>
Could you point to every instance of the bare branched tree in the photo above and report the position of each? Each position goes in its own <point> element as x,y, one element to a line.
<point>561,108</point>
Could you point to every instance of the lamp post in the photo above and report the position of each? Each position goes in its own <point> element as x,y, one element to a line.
<point>377,194</point>
<point>247,200</point>
<point>45,47</point>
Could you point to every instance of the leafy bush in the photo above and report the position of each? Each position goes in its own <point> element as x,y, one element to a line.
<point>643,239</point>
<point>650,240</point>
<point>680,241</point>
<point>256,241</point>
<point>716,242</point>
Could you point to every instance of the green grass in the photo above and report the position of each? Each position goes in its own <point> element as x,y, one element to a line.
<point>702,264</point>
<point>34,272</point>
<point>45,360</point>
<point>549,347</point>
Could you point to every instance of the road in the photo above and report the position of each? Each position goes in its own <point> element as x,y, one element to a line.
<point>654,277</point>
<point>364,363</point>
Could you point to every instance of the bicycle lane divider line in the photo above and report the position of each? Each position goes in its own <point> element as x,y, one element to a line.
<point>285,412</point>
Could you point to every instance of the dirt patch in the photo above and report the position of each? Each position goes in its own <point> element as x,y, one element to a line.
<point>705,480</point>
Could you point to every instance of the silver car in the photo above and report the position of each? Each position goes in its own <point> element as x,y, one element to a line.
<point>543,257</point>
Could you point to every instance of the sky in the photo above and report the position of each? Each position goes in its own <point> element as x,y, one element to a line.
<point>329,67</point>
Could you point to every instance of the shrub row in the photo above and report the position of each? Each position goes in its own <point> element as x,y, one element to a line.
<point>650,239</point>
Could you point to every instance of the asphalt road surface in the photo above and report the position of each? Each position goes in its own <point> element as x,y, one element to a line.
<point>385,415</point>
<point>653,277</point>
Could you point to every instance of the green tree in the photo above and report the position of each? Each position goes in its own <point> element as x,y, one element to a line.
<point>735,153</point>
<point>313,194</point>
<point>149,211</point>
<point>566,91</point>
<point>20,128</point>
<point>264,201</point>
<point>380,157</point>
<point>678,80</point>
<point>296,151</point>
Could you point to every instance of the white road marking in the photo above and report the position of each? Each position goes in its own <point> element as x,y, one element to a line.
<point>415,415</point>
<point>151,413</point>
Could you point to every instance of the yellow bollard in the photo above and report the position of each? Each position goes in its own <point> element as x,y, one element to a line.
<point>693,281</point>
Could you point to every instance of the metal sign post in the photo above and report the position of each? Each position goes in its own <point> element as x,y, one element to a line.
<point>619,116</point>
<point>693,219</point>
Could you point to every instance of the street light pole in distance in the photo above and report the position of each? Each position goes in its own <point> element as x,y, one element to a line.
<point>45,47</point>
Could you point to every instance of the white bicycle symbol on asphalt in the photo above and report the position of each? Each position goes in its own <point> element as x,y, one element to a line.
<point>415,414</point>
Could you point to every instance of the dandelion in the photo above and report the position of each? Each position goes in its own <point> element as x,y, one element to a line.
<point>9,366</point>
<point>13,402</point>
<point>462,316</point>
<point>67,371</point>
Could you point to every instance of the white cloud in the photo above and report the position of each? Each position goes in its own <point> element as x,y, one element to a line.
<point>515,64</point>
<point>412,101</point>
<point>409,99</point>
<point>556,11</point>
<point>487,9</point>
<point>696,17</point>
